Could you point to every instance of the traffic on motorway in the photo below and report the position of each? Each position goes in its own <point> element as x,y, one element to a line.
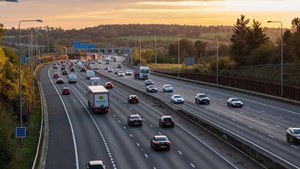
<point>100,100</point>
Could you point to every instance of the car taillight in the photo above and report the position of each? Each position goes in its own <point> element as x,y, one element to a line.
<point>158,143</point>
<point>172,121</point>
<point>140,120</point>
<point>168,142</point>
<point>163,121</point>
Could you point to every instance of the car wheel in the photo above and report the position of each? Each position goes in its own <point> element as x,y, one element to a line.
<point>228,104</point>
<point>207,102</point>
<point>196,101</point>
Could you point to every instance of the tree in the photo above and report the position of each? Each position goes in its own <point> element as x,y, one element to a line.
<point>200,48</point>
<point>256,36</point>
<point>239,47</point>
<point>1,32</point>
<point>296,23</point>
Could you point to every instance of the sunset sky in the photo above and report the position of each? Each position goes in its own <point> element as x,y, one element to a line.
<point>78,14</point>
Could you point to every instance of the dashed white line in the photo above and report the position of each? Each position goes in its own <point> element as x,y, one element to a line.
<point>138,144</point>
<point>146,155</point>
<point>151,125</point>
<point>192,165</point>
<point>125,128</point>
<point>233,119</point>
<point>294,146</point>
<point>131,135</point>
<point>271,136</point>
<point>280,117</point>
<point>159,133</point>
<point>250,127</point>
<point>180,152</point>
<point>119,121</point>
<point>277,125</point>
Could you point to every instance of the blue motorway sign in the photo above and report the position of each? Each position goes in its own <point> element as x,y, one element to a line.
<point>20,132</point>
<point>23,59</point>
<point>78,45</point>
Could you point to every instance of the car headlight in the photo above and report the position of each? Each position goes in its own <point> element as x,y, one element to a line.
<point>298,137</point>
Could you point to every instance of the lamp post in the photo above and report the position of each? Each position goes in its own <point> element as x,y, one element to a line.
<point>217,58</point>
<point>20,63</point>
<point>155,51</point>
<point>281,54</point>
<point>178,57</point>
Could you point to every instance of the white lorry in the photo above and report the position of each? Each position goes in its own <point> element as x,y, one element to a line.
<point>98,99</point>
<point>141,72</point>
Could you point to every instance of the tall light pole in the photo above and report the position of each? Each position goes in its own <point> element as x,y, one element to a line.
<point>20,64</point>
<point>178,53</point>
<point>140,51</point>
<point>217,58</point>
<point>155,51</point>
<point>281,53</point>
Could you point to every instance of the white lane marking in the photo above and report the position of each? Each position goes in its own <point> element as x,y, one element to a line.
<point>125,128</point>
<point>180,152</point>
<point>69,119</point>
<point>151,125</point>
<point>159,133</point>
<point>277,125</point>
<point>138,144</point>
<point>146,155</point>
<point>114,115</point>
<point>280,117</point>
<point>250,127</point>
<point>154,167</point>
<point>294,146</point>
<point>192,165</point>
<point>99,130</point>
<point>271,136</point>
<point>119,121</point>
<point>131,135</point>
<point>233,119</point>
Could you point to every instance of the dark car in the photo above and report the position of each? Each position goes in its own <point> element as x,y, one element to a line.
<point>83,69</point>
<point>160,142</point>
<point>66,91</point>
<point>234,102</point>
<point>63,68</point>
<point>148,82</point>
<point>119,66</point>
<point>59,81</point>
<point>201,98</point>
<point>65,72</point>
<point>72,69</point>
<point>135,120</point>
<point>166,121</point>
<point>133,99</point>
<point>151,89</point>
<point>293,135</point>
<point>95,164</point>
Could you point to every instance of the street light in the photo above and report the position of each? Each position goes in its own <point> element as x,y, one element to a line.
<point>20,63</point>
<point>178,53</point>
<point>281,52</point>
<point>218,58</point>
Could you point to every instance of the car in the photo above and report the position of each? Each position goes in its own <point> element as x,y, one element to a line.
<point>95,81</point>
<point>96,68</point>
<point>72,69</point>
<point>119,66</point>
<point>134,120</point>
<point>293,135</point>
<point>108,85</point>
<point>148,82</point>
<point>151,89</point>
<point>234,102</point>
<point>65,72</point>
<point>109,70</point>
<point>55,66</point>
<point>201,98</point>
<point>116,71</point>
<point>59,81</point>
<point>121,74</point>
<point>66,91</point>
<point>166,121</point>
<point>90,74</point>
<point>62,68</point>
<point>95,164</point>
<point>83,69</point>
<point>99,62</point>
<point>176,98</point>
<point>128,72</point>
<point>133,99</point>
<point>158,142</point>
<point>167,88</point>
<point>55,75</point>
<point>105,68</point>
<point>72,78</point>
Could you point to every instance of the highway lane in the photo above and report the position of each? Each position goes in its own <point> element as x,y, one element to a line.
<point>108,137</point>
<point>263,122</point>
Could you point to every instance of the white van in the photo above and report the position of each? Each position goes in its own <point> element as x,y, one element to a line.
<point>90,74</point>
<point>72,78</point>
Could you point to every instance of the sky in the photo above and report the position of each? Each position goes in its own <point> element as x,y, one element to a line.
<point>77,14</point>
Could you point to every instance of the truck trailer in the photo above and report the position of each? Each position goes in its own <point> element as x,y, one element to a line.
<point>98,99</point>
<point>141,72</point>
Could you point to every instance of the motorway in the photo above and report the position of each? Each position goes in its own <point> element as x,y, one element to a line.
<point>77,135</point>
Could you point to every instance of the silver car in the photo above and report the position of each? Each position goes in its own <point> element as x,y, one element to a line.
<point>234,102</point>
<point>167,88</point>
<point>176,98</point>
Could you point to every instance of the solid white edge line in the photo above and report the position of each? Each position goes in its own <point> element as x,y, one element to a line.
<point>69,119</point>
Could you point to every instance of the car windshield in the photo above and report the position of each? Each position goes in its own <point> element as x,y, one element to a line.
<point>235,100</point>
<point>202,95</point>
<point>161,139</point>
<point>297,131</point>
<point>144,71</point>
<point>135,117</point>
<point>168,119</point>
<point>177,96</point>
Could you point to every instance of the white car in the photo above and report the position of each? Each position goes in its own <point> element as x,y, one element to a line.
<point>128,72</point>
<point>234,102</point>
<point>121,74</point>
<point>176,98</point>
<point>109,70</point>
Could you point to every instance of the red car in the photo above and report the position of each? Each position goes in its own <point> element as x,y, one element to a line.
<point>108,85</point>
<point>66,91</point>
<point>55,75</point>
